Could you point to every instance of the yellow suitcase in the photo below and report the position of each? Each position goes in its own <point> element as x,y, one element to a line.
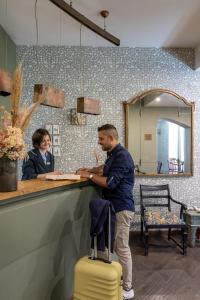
<point>97,279</point>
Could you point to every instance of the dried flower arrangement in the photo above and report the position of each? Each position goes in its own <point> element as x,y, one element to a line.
<point>14,123</point>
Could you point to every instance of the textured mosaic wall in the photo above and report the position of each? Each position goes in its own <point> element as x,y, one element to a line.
<point>112,75</point>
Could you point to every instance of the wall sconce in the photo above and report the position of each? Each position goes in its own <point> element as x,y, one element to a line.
<point>77,118</point>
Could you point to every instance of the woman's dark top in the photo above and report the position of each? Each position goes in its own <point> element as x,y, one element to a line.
<point>35,164</point>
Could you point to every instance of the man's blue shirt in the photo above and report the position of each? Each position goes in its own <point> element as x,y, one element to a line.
<point>119,170</point>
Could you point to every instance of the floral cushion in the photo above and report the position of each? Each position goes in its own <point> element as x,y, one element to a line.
<point>158,217</point>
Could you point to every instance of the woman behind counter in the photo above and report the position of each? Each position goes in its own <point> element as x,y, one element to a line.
<point>40,161</point>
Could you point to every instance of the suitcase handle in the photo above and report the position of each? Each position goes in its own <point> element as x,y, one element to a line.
<point>94,254</point>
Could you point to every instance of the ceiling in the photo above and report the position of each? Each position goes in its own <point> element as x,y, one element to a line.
<point>137,23</point>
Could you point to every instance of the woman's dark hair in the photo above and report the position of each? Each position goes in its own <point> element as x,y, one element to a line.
<point>38,137</point>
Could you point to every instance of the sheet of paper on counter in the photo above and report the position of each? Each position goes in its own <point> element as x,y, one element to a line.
<point>63,177</point>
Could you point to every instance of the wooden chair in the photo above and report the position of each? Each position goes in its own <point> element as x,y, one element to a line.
<point>156,204</point>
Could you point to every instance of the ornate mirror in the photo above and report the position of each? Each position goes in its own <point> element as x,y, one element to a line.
<point>159,133</point>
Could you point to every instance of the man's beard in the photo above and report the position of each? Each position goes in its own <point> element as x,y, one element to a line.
<point>106,148</point>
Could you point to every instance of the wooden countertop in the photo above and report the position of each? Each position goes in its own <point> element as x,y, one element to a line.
<point>28,187</point>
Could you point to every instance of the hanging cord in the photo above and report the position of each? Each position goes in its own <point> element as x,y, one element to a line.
<point>60,28</point>
<point>6,58</point>
<point>115,74</point>
<point>104,14</point>
<point>36,26</point>
<point>70,3</point>
<point>81,64</point>
<point>60,42</point>
<point>140,130</point>
<point>104,23</point>
<point>36,21</point>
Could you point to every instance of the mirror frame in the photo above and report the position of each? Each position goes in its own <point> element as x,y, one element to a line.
<point>138,98</point>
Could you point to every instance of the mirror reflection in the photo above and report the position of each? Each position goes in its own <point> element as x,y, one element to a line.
<point>159,133</point>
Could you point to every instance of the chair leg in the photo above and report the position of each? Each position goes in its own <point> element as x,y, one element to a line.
<point>169,233</point>
<point>146,242</point>
<point>141,230</point>
<point>184,237</point>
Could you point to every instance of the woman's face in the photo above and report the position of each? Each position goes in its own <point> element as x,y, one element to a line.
<point>45,143</point>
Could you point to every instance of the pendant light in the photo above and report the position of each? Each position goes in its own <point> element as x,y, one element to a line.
<point>5,83</point>
<point>75,117</point>
<point>86,105</point>
<point>47,95</point>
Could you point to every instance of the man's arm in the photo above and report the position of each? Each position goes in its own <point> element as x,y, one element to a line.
<point>98,179</point>
<point>94,170</point>
<point>97,170</point>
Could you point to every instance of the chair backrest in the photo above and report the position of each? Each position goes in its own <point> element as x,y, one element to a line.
<point>155,195</point>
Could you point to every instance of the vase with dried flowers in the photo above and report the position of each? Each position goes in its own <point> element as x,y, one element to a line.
<point>13,126</point>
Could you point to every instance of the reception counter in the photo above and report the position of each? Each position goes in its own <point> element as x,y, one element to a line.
<point>44,229</point>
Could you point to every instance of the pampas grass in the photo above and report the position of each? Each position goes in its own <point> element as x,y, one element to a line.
<point>16,93</point>
<point>21,114</point>
<point>14,123</point>
<point>27,115</point>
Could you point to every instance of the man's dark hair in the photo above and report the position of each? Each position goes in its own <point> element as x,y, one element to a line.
<point>38,137</point>
<point>111,129</point>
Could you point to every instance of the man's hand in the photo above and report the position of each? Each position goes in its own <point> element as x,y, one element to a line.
<point>83,173</point>
<point>83,169</point>
<point>95,170</point>
<point>100,180</point>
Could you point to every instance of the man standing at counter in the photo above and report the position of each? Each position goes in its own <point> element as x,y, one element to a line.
<point>116,177</point>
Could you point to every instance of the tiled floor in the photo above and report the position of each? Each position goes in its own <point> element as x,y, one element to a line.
<point>165,274</point>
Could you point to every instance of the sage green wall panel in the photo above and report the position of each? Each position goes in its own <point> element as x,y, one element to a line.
<point>7,60</point>
<point>41,239</point>
<point>7,51</point>
<point>11,55</point>
<point>2,48</point>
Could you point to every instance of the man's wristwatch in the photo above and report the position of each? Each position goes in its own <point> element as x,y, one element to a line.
<point>91,176</point>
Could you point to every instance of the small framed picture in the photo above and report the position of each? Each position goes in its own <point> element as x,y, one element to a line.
<point>49,128</point>
<point>56,151</point>
<point>56,140</point>
<point>56,129</point>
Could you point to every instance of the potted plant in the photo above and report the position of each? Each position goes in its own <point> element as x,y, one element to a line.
<point>13,126</point>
